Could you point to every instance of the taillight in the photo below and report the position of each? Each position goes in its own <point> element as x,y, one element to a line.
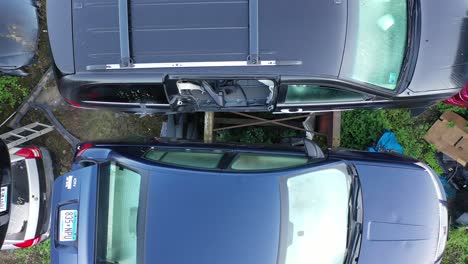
<point>29,242</point>
<point>82,149</point>
<point>73,103</point>
<point>29,153</point>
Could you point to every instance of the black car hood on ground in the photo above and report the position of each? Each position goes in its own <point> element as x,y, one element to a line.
<point>442,60</point>
<point>400,214</point>
<point>18,33</point>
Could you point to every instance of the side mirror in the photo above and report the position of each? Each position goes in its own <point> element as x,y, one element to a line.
<point>313,150</point>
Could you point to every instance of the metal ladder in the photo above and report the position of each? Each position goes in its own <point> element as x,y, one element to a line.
<point>23,134</point>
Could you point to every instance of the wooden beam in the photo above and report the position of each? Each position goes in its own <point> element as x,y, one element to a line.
<point>208,129</point>
<point>240,121</point>
<point>336,130</point>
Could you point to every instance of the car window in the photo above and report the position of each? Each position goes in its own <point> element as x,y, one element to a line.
<point>314,200</point>
<point>376,43</point>
<point>317,93</point>
<point>118,217</point>
<point>253,161</point>
<point>195,159</point>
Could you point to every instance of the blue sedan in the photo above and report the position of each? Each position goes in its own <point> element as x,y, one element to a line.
<point>166,202</point>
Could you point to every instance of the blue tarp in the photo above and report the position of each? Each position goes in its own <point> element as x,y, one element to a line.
<point>449,190</point>
<point>387,143</point>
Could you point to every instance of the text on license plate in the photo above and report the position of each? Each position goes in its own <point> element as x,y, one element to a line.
<point>3,199</point>
<point>68,225</point>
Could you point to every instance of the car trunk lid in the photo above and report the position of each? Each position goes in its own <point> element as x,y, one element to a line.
<point>73,226</point>
<point>20,202</point>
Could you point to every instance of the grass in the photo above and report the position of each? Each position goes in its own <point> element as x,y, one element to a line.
<point>362,128</point>
<point>456,251</point>
<point>12,93</point>
<point>39,253</point>
<point>254,135</point>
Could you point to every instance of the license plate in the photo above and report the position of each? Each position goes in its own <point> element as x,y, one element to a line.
<point>3,199</point>
<point>68,225</point>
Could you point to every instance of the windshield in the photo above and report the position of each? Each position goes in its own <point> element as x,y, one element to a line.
<point>314,200</point>
<point>119,202</point>
<point>376,41</point>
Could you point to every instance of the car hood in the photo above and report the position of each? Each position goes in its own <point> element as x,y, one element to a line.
<point>201,217</point>
<point>442,61</point>
<point>400,214</point>
<point>18,33</point>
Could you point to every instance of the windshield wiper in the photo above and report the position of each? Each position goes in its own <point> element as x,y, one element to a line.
<point>411,28</point>
<point>355,225</point>
<point>355,239</point>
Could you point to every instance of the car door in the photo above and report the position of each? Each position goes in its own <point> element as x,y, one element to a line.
<point>293,98</point>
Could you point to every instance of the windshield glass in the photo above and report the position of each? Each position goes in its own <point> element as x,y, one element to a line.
<point>119,203</point>
<point>376,41</point>
<point>314,200</point>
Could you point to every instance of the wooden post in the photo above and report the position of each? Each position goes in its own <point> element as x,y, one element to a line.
<point>208,129</point>
<point>336,129</point>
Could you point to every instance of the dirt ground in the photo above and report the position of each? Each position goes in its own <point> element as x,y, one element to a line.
<point>86,125</point>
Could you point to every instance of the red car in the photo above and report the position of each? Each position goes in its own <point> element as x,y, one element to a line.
<point>460,99</point>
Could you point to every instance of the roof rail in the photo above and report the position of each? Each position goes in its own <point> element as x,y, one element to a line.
<point>125,56</point>
<point>126,61</point>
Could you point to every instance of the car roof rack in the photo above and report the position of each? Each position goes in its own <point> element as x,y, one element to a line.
<point>126,61</point>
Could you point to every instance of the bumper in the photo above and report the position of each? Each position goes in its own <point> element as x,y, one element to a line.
<point>443,212</point>
<point>46,180</point>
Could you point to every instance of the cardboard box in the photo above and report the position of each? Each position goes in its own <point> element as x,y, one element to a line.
<point>449,135</point>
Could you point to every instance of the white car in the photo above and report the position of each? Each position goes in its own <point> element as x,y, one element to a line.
<point>26,197</point>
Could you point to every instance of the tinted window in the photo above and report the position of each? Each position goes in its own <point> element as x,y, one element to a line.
<point>119,218</point>
<point>317,93</point>
<point>376,47</point>
<point>252,161</point>
<point>19,212</point>
<point>195,159</point>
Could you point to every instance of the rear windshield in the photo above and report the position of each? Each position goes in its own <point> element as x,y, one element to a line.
<point>119,215</point>
<point>206,159</point>
<point>19,212</point>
